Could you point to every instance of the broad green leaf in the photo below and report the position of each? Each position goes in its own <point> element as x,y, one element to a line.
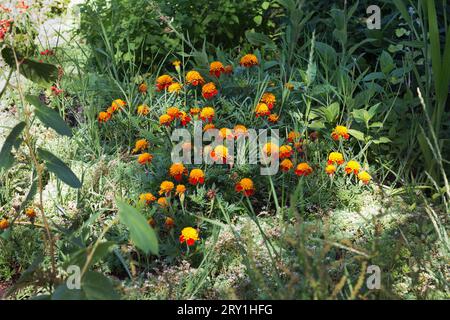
<point>386,62</point>
<point>62,292</point>
<point>44,74</point>
<point>49,117</point>
<point>357,134</point>
<point>142,235</point>
<point>79,257</point>
<point>98,287</point>
<point>382,140</point>
<point>13,139</point>
<point>259,39</point>
<point>327,52</point>
<point>59,168</point>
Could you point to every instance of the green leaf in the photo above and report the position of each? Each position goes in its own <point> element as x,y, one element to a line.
<point>386,62</point>
<point>59,168</point>
<point>98,287</point>
<point>49,117</point>
<point>382,140</point>
<point>257,20</point>
<point>356,134</point>
<point>79,257</point>
<point>13,140</point>
<point>141,233</point>
<point>62,292</point>
<point>259,39</point>
<point>44,74</point>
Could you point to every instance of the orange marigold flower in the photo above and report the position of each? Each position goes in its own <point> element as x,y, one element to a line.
<point>143,87</point>
<point>140,145</point>
<point>173,112</point>
<point>189,235</point>
<point>352,167</point>
<point>145,158</point>
<point>364,177</point>
<point>169,222</point>
<point>303,169</point>
<point>262,110</point>
<point>249,60</point>
<point>286,165</point>
<point>269,99</point>
<point>270,148</point>
<point>165,120</point>
<point>196,177</point>
<point>163,82</point>
<point>340,132</point>
<point>162,201</point>
<point>330,169</point>
<point>175,87</point>
<point>226,133</point>
<point>216,68</point>
<point>209,90</point>
<point>166,187</point>
<point>143,110</point>
<point>194,111</point>
<point>177,170</point>
<point>30,213</point>
<point>336,157</point>
<point>194,78</point>
<point>184,118</point>
<point>207,114</point>
<point>285,151</point>
<point>208,126</point>
<point>147,198</point>
<point>240,130</point>
<point>117,104</point>
<point>220,153</point>
<point>245,186</point>
<point>228,69</point>
<point>180,189</point>
<point>293,136</point>
<point>273,117</point>
<point>4,224</point>
<point>104,116</point>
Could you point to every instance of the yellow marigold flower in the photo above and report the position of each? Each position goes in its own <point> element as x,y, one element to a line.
<point>364,177</point>
<point>352,167</point>
<point>162,201</point>
<point>140,145</point>
<point>194,111</point>
<point>249,60</point>
<point>286,165</point>
<point>166,187</point>
<point>177,170</point>
<point>194,78</point>
<point>262,110</point>
<point>4,224</point>
<point>189,235</point>
<point>147,198</point>
<point>30,213</point>
<point>273,117</point>
<point>330,169</point>
<point>117,104</point>
<point>239,130</point>
<point>208,126</point>
<point>104,116</point>
<point>220,153</point>
<point>226,133</point>
<point>175,87</point>
<point>207,114</point>
<point>270,148</point>
<point>196,177</point>
<point>269,99</point>
<point>285,151</point>
<point>336,157</point>
<point>177,64</point>
<point>216,68</point>
<point>293,136</point>
<point>165,119</point>
<point>143,110</point>
<point>163,82</point>
<point>145,158</point>
<point>303,169</point>
<point>245,186</point>
<point>143,87</point>
<point>289,86</point>
<point>169,223</point>
<point>340,132</point>
<point>209,90</point>
<point>173,112</point>
<point>181,188</point>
